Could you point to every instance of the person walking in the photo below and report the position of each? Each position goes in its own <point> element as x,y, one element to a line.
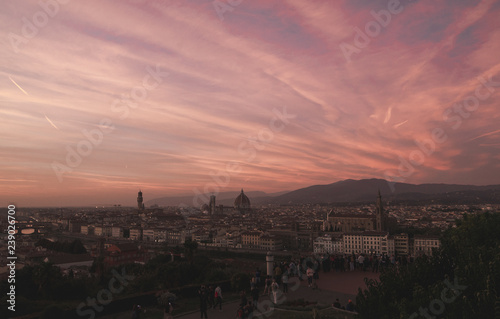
<point>203,294</point>
<point>218,297</point>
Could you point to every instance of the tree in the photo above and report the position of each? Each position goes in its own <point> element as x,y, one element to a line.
<point>44,274</point>
<point>469,258</point>
<point>52,312</point>
<point>190,247</point>
<point>240,281</point>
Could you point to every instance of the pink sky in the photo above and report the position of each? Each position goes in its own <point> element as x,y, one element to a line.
<point>221,80</point>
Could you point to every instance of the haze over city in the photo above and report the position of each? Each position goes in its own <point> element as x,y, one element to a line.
<point>101,99</point>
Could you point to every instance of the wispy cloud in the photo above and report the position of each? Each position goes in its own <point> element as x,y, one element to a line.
<point>51,123</point>
<point>485,134</point>
<point>225,79</point>
<point>19,87</point>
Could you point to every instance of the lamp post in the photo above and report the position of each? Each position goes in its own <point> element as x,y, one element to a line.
<point>269,263</point>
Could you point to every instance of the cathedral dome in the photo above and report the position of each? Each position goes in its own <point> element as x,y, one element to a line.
<point>242,201</point>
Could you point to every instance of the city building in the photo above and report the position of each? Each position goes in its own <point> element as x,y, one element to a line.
<point>367,242</point>
<point>423,245</point>
<point>135,233</point>
<point>336,222</point>
<point>118,254</point>
<point>401,244</point>
<point>117,232</point>
<point>270,242</point>
<point>328,244</point>
<point>250,239</point>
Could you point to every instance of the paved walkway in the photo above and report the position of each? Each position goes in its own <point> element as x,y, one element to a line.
<point>332,285</point>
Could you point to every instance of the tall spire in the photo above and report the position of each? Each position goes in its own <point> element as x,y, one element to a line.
<point>380,213</point>
<point>140,204</point>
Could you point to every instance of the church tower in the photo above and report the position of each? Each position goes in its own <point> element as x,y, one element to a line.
<point>211,206</point>
<point>380,214</point>
<point>140,205</point>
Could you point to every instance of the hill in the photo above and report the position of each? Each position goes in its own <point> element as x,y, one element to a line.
<point>366,190</point>
<point>354,191</point>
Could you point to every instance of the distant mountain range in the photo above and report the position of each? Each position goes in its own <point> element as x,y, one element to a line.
<point>356,191</point>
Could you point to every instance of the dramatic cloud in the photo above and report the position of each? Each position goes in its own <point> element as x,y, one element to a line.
<point>101,98</point>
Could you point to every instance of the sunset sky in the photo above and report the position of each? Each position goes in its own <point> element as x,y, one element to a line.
<point>102,98</point>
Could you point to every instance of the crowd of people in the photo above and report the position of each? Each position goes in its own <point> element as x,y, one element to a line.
<point>364,262</point>
<point>306,268</point>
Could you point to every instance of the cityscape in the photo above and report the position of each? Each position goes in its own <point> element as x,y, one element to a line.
<point>251,159</point>
<point>74,239</point>
<point>308,228</point>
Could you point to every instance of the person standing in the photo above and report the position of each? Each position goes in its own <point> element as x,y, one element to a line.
<point>257,277</point>
<point>336,304</point>
<point>310,274</point>
<point>203,294</point>
<point>243,296</point>
<point>376,262</point>
<point>293,269</point>
<point>136,312</point>
<point>275,288</point>
<point>277,273</point>
<point>253,283</point>
<point>284,280</point>
<point>350,306</point>
<point>255,295</point>
<point>218,297</point>
<point>267,287</point>
<point>211,297</point>
<point>167,313</point>
<point>361,261</point>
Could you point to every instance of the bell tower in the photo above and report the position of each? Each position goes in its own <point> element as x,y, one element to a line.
<point>212,205</point>
<point>140,205</point>
<point>380,213</point>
